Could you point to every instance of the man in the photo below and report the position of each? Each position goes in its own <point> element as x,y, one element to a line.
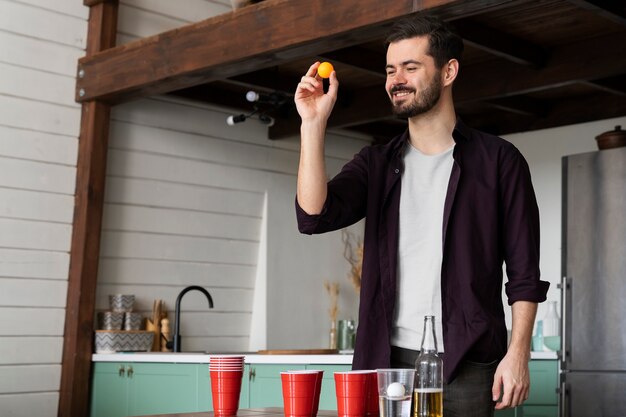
<point>445,206</point>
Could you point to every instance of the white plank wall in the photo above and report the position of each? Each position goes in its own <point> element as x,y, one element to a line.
<point>40,41</point>
<point>184,199</point>
<point>198,221</point>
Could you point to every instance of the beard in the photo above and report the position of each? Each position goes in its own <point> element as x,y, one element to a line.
<point>423,102</point>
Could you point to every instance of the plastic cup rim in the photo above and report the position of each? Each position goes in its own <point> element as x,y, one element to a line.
<point>300,371</point>
<point>356,372</point>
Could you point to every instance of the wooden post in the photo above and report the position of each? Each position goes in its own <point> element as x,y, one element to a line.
<point>85,248</point>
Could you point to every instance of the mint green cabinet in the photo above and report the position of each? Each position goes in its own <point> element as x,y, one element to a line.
<point>265,389</point>
<point>159,388</point>
<point>122,389</point>
<point>109,390</point>
<point>544,379</point>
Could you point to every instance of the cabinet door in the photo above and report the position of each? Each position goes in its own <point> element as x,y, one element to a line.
<point>543,382</point>
<point>158,388</point>
<point>109,392</point>
<point>328,396</point>
<point>265,385</point>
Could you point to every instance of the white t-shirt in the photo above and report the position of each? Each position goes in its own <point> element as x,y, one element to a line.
<point>424,187</point>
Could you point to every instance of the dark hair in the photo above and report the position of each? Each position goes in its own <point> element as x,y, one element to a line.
<point>443,42</point>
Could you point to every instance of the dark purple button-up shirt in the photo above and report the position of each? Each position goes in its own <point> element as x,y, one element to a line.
<point>490,217</point>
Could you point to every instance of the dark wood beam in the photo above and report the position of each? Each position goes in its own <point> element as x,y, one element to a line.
<point>85,247</point>
<point>612,85</point>
<point>587,60</point>
<point>583,61</point>
<point>501,44</point>
<point>221,47</point>
<point>562,113</point>
<point>521,105</point>
<point>363,59</point>
<point>614,10</point>
<point>269,79</point>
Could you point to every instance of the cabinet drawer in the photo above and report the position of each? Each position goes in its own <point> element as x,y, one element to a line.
<point>543,382</point>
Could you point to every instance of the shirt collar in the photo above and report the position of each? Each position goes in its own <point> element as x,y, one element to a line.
<point>460,133</point>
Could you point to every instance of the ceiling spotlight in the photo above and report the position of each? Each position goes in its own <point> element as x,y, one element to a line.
<point>252,96</point>
<point>232,120</point>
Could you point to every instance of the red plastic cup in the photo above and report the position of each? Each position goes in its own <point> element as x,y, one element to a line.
<point>301,392</point>
<point>372,408</point>
<point>352,389</point>
<point>318,390</point>
<point>226,389</point>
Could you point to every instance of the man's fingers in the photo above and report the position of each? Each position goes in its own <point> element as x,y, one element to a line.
<point>312,72</point>
<point>496,387</point>
<point>333,84</point>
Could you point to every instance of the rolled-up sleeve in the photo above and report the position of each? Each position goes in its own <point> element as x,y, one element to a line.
<point>520,221</point>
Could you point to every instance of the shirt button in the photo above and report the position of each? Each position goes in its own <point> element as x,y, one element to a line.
<point>396,170</point>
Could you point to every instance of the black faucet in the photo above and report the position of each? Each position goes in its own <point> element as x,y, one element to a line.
<point>175,344</point>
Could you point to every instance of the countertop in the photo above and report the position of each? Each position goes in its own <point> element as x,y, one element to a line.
<point>191,357</point>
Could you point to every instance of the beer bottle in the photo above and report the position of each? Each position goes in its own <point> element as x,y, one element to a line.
<point>428,389</point>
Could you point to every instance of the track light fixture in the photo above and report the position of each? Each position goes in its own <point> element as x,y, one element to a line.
<point>273,100</point>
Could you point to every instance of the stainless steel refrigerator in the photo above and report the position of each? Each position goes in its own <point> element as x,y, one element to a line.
<point>593,304</point>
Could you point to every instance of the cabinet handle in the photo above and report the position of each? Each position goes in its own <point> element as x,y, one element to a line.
<point>252,374</point>
<point>121,371</point>
<point>129,371</point>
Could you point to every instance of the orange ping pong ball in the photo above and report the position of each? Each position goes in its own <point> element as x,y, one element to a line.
<point>325,69</point>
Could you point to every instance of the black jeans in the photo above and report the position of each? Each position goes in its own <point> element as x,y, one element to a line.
<point>468,395</point>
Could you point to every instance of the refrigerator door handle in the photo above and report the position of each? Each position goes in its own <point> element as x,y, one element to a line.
<point>563,400</point>
<point>566,286</point>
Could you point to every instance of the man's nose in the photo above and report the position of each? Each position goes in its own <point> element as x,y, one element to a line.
<point>399,78</point>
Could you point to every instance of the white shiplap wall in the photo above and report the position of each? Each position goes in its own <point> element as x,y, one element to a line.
<point>185,205</point>
<point>40,41</point>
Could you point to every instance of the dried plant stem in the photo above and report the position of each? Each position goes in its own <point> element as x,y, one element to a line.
<point>332,288</point>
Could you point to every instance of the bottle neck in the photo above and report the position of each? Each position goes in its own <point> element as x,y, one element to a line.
<point>429,340</point>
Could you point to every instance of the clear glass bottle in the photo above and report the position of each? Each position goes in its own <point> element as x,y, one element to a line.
<point>551,321</point>
<point>332,335</point>
<point>428,388</point>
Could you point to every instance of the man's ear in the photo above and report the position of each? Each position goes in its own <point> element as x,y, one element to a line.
<point>450,71</point>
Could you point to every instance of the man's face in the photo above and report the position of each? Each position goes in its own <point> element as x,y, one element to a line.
<point>413,81</point>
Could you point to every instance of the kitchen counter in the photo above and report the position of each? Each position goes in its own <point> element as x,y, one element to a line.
<point>191,357</point>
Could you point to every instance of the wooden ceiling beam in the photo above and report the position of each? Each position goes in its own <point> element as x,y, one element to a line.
<point>582,61</point>
<point>613,85</point>
<point>501,44</point>
<point>363,59</point>
<point>521,105</point>
<point>221,47</point>
<point>608,9</point>
<point>562,113</point>
<point>590,59</point>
